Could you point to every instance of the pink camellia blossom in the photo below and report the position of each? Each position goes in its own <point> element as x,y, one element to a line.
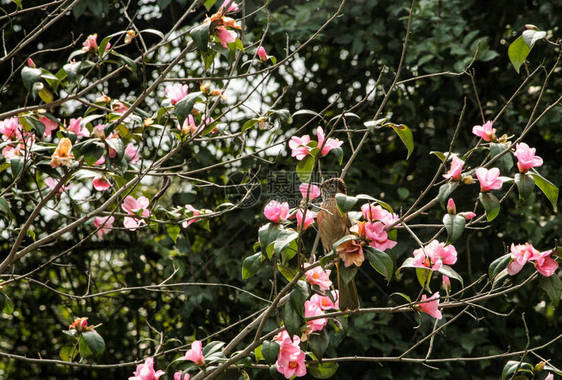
<point>132,153</point>
<point>456,169</point>
<point>351,252</point>
<point>176,92</point>
<point>451,207</point>
<point>377,236</point>
<point>80,324</point>
<point>189,125</point>
<point>299,146</point>
<point>194,212</point>
<point>290,359</point>
<point>276,211</point>
<point>486,132</point>
<point>10,152</point>
<point>177,376</point>
<point>75,126</point>
<point>372,212</point>
<point>319,276</point>
<point>489,179</point>
<point>90,43</point>
<point>262,54</point>
<point>446,283</point>
<point>308,221</point>
<point>520,254</point>
<point>431,307</point>
<point>467,215</point>
<point>9,128</point>
<point>230,6</point>
<point>526,158</point>
<point>50,125</point>
<point>195,354</point>
<point>104,224</point>
<point>52,183</point>
<point>226,36</point>
<point>119,107</point>
<point>133,206</point>
<point>313,192</point>
<point>101,184</point>
<point>434,255</point>
<point>30,63</point>
<point>550,376</point>
<point>325,302</point>
<point>312,309</point>
<point>146,371</point>
<point>328,145</point>
<point>544,264</point>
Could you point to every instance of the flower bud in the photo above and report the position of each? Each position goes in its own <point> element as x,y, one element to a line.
<point>468,180</point>
<point>148,122</point>
<point>467,215</point>
<point>30,63</point>
<point>79,324</point>
<point>103,99</point>
<point>531,27</point>
<point>451,207</point>
<point>540,366</point>
<point>131,34</point>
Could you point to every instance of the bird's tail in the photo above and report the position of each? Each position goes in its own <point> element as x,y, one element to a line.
<point>348,297</point>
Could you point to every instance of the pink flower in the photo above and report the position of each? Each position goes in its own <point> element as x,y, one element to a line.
<point>373,212</point>
<point>101,184</point>
<point>76,127</point>
<point>189,125</point>
<point>119,107</point>
<point>313,192</point>
<point>431,307</point>
<point>276,211</point>
<point>451,207</point>
<point>194,212</point>
<point>146,371</point>
<point>49,124</point>
<point>309,219</point>
<point>134,206</point>
<point>30,63</point>
<point>319,276</point>
<point>132,153</point>
<point>299,146</point>
<point>98,131</point>
<point>80,324</point>
<point>312,309</point>
<point>434,255</point>
<point>467,215</point>
<point>177,376</point>
<point>290,359</point>
<point>100,161</point>
<point>230,6</point>
<point>489,179</point>
<point>446,283</point>
<point>378,236</point>
<point>351,253</point>
<point>325,303</point>
<point>456,169</point>
<point>104,224</point>
<point>544,264</point>
<point>550,376</point>
<point>262,54</point>
<point>52,183</point>
<point>195,354</point>
<point>486,132</point>
<point>526,158</point>
<point>9,128</point>
<point>226,36</point>
<point>520,254</point>
<point>176,92</point>
<point>90,43</point>
<point>328,145</point>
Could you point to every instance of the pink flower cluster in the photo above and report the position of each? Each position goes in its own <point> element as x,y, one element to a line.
<point>526,158</point>
<point>290,359</point>
<point>486,131</point>
<point>523,253</point>
<point>300,149</point>
<point>133,207</point>
<point>431,305</point>
<point>276,211</point>
<point>145,371</point>
<point>373,213</point>
<point>489,179</point>
<point>20,141</point>
<point>434,255</point>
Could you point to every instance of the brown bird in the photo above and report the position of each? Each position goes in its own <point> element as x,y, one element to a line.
<point>332,226</point>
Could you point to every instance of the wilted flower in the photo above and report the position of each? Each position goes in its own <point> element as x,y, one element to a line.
<point>63,154</point>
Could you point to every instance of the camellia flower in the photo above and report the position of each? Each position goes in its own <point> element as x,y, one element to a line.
<point>328,145</point>
<point>104,224</point>
<point>325,302</point>
<point>276,211</point>
<point>101,184</point>
<point>309,219</point>
<point>544,264</point>
<point>194,211</point>
<point>177,376</point>
<point>262,54</point>
<point>90,43</point>
<point>377,236</point>
<point>80,324</point>
<point>146,371</point>
<point>133,206</point>
<point>299,146</point>
<point>226,36</point>
<point>486,132</point>
<point>455,170</point>
<point>372,212</point>
<point>550,376</point>
<point>119,107</point>
<point>50,125</point>
<point>351,253</point>
<point>10,127</point>
<point>526,158</point>
<point>290,359</point>
<point>132,153</point>
<point>312,309</point>
<point>230,7</point>
<point>176,92</point>
<point>195,354</point>
<point>63,154</point>
<point>319,276</point>
<point>520,253</point>
<point>189,125</point>
<point>431,307</point>
<point>451,207</point>
<point>52,183</point>
<point>313,192</point>
<point>76,127</point>
<point>489,179</point>
<point>434,255</point>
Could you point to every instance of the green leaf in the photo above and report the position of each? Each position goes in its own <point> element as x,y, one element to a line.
<point>91,344</point>
<point>209,4</point>
<point>128,61</point>
<point>445,190</point>
<point>184,106</point>
<point>338,152</point>
<point>92,151</point>
<point>293,321</point>
<point>424,276</point>
<point>200,35</point>
<point>498,265</point>
<point>491,205</point>
<point>8,307</point>
<point>287,272</point>
<point>380,261</point>
<point>251,265</point>
<point>267,235</point>
<point>283,240</point>
<point>439,155</point>
<point>18,3</point>
<point>4,206</point>
<point>68,353</point>
<point>173,231</point>
<point>454,224</point>
<point>505,162</point>
<point>118,146</point>
<point>103,45</point>
<point>212,348</point>
<point>511,367</point>
<point>318,342</point>
<point>348,273</point>
<point>451,273</point>
<point>553,288</point>
<point>30,75</point>
<point>405,135</point>
<point>270,350</point>
<point>249,124</point>
<point>548,188</point>
<point>17,165</point>
<point>322,370</point>
<point>518,52</point>
<point>304,168</point>
<point>298,296</point>
<point>525,185</point>
<point>345,202</point>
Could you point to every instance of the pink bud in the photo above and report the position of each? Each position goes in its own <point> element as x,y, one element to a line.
<point>30,63</point>
<point>262,54</point>
<point>451,207</point>
<point>467,215</point>
<point>531,27</point>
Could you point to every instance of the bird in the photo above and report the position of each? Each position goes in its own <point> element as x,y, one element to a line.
<point>332,226</point>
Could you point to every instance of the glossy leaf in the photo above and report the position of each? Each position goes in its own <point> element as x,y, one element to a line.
<point>454,224</point>
<point>184,106</point>
<point>405,135</point>
<point>322,370</point>
<point>553,288</point>
<point>91,344</point>
<point>380,261</point>
<point>525,185</point>
<point>298,296</point>
<point>293,321</point>
<point>29,76</point>
<point>345,202</point>
<point>491,205</point>
<point>451,273</point>
<point>251,265</point>
<point>304,168</point>
<point>498,265</point>
<point>548,188</point>
<point>269,351</point>
<point>445,190</point>
<point>518,52</point>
